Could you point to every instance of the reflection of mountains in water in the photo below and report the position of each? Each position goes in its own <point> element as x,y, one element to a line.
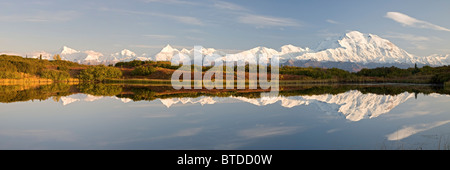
<point>355,102</point>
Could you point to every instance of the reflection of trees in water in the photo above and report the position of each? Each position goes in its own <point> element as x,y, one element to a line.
<point>99,89</point>
<point>150,93</point>
<point>15,93</point>
<point>143,94</point>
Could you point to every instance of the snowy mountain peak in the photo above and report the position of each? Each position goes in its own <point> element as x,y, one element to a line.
<point>184,50</point>
<point>208,51</point>
<point>355,35</point>
<point>353,39</point>
<point>166,53</point>
<point>261,50</point>
<point>127,52</point>
<point>357,47</point>
<point>92,55</point>
<point>168,48</point>
<point>292,49</point>
<point>66,50</point>
<point>37,54</point>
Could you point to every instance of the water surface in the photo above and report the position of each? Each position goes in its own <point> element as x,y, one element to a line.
<point>157,117</point>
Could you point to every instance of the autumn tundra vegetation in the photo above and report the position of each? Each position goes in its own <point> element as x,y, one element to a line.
<point>57,70</point>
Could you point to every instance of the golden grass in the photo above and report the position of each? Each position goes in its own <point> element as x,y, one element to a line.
<point>36,81</point>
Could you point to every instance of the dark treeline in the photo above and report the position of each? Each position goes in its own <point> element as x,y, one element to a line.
<point>16,93</point>
<point>137,63</point>
<point>436,75</point>
<point>317,73</point>
<point>426,74</point>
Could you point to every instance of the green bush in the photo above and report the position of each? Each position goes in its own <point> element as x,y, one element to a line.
<point>55,75</point>
<point>130,64</point>
<point>166,64</point>
<point>8,70</point>
<point>143,94</point>
<point>9,75</point>
<point>7,66</point>
<point>440,78</point>
<point>63,68</point>
<point>99,73</point>
<point>317,73</point>
<point>136,63</point>
<point>143,70</point>
<point>98,89</point>
<point>389,72</point>
<point>63,63</point>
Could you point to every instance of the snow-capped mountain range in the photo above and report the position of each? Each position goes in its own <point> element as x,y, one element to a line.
<point>352,47</point>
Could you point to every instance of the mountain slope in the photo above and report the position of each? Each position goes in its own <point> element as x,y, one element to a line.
<point>70,54</point>
<point>360,48</point>
<point>93,57</point>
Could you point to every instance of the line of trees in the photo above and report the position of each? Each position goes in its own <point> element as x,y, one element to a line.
<point>316,73</point>
<point>99,73</point>
<point>136,63</point>
<point>16,67</point>
<point>56,75</point>
<point>143,70</point>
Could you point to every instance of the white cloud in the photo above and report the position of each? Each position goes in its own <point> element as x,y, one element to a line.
<point>406,20</point>
<point>259,132</point>
<point>216,4</point>
<point>418,42</point>
<point>180,2</point>
<point>182,19</point>
<point>229,6</point>
<point>332,21</point>
<point>407,131</point>
<point>267,21</point>
<point>41,16</point>
<point>408,37</point>
<point>327,33</point>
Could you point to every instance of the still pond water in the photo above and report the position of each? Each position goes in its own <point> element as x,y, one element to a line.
<point>156,117</point>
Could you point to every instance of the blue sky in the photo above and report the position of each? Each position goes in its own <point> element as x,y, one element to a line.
<point>145,26</point>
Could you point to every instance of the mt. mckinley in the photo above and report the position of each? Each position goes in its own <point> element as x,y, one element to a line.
<point>351,51</point>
